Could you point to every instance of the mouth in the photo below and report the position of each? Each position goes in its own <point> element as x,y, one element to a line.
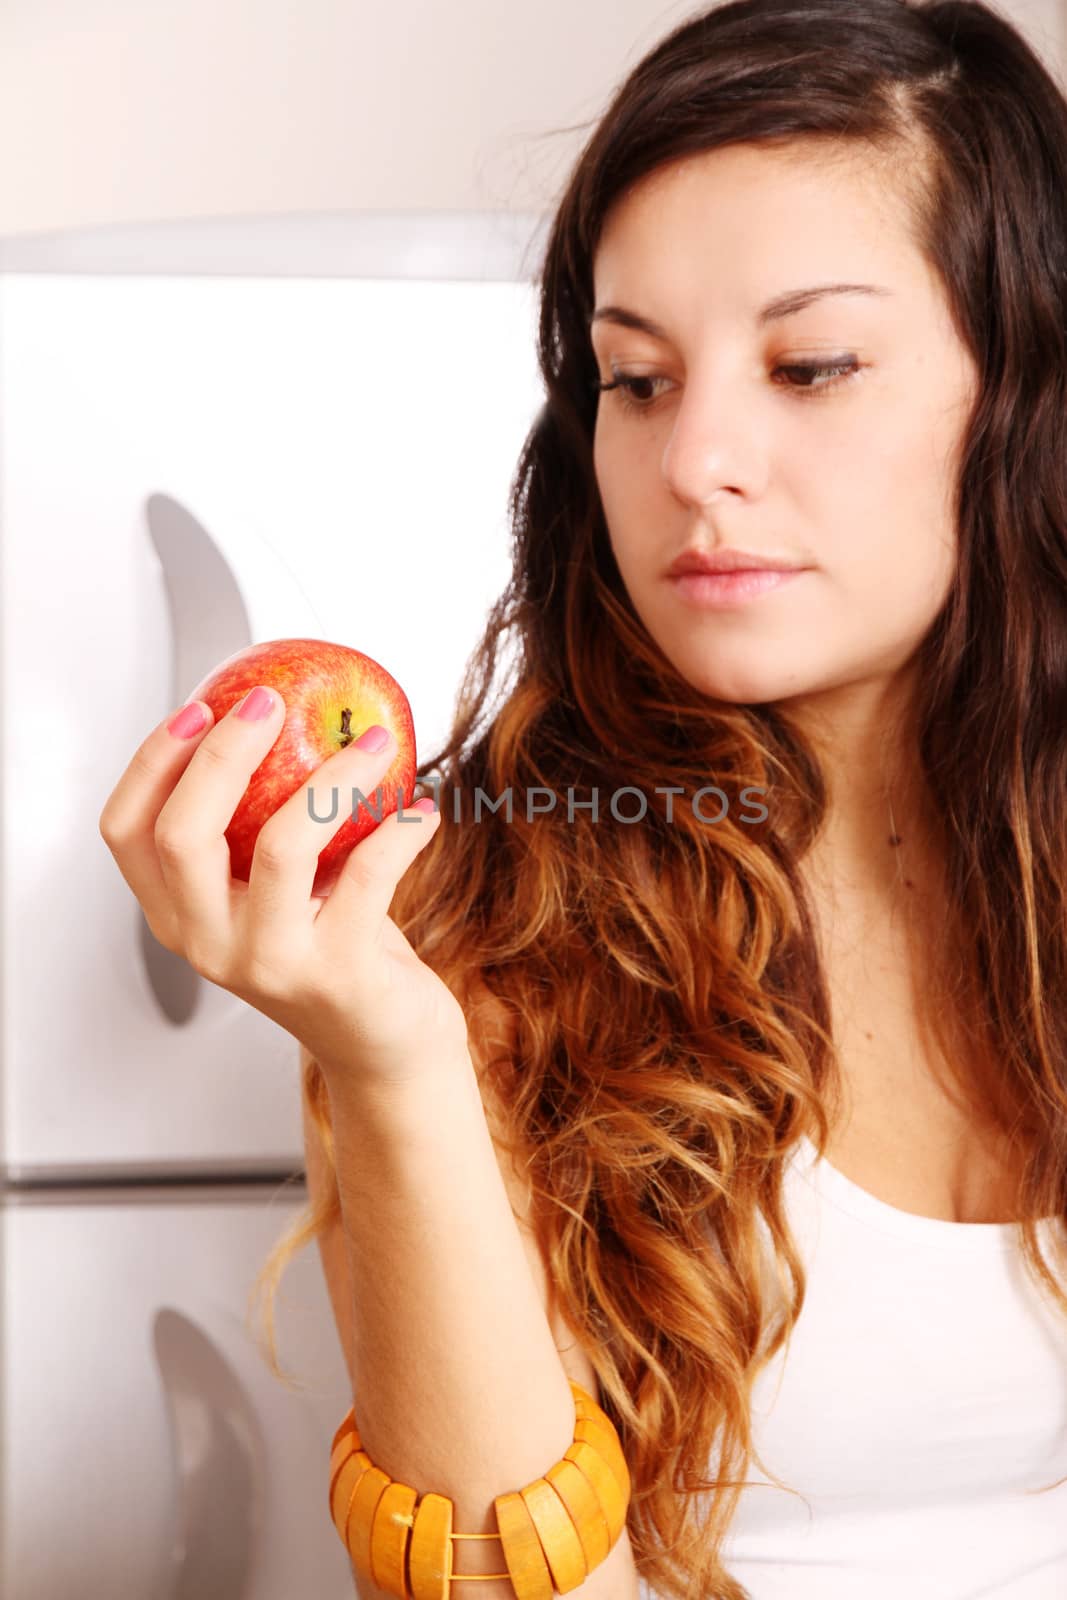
<point>717,562</point>
<point>721,590</point>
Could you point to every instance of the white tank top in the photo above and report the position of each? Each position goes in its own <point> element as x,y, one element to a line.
<point>921,1399</point>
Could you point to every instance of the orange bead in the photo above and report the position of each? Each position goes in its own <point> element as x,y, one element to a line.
<point>360,1519</point>
<point>558,1535</point>
<point>585,1510</point>
<point>341,1452</point>
<point>389,1535</point>
<point>430,1551</point>
<point>607,1446</point>
<point>604,1484</point>
<point>351,1470</point>
<point>523,1554</point>
<point>587,1411</point>
<point>586,1406</point>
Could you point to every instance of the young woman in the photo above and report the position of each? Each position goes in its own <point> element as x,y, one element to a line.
<point>769,1012</point>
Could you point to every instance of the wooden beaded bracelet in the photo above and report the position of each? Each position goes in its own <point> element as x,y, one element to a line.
<point>554,1532</point>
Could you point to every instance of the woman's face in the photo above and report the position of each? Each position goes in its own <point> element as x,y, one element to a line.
<point>850,477</point>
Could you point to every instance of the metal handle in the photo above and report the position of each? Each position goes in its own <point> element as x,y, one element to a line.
<point>219,1456</point>
<point>209,621</point>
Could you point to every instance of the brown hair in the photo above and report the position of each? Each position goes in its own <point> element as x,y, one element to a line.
<point>658,1080</point>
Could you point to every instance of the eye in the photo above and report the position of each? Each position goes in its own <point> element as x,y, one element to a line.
<point>845,370</point>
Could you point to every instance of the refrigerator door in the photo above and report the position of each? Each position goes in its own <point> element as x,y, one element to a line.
<point>147,1452</point>
<point>188,465</point>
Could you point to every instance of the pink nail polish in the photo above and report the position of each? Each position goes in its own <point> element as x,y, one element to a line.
<point>257,703</point>
<point>376,738</point>
<point>189,720</point>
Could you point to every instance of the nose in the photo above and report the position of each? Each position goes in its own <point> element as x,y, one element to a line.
<point>713,448</point>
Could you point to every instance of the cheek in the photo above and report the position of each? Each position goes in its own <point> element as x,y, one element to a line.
<point>612,488</point>
<point>628,480</point>
<point>916,516</point>
<point>886,585</point>
<point>889,498</point>
<point>609,462</point>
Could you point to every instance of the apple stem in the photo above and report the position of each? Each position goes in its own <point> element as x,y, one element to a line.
<point>346,727</point>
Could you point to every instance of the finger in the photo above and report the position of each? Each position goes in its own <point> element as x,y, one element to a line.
<point>285,860</point>
<point>190,831</point>
<point>127,822</point>
<point>363,893</point>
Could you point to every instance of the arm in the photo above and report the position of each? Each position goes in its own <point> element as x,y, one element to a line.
<point>441,1299</point>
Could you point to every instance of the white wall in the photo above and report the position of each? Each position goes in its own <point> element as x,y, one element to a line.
<point>127,110</point>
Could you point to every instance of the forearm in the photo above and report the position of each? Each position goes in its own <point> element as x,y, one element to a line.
<point>459,1386</point>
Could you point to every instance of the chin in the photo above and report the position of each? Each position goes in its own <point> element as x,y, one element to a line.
<point>755,685</point>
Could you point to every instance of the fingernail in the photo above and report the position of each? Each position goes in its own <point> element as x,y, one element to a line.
<point>376,738</point>
<point>256,704</point>
<point>189,720</point>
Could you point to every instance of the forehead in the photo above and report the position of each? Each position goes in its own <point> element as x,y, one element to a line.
<point>746,219</point>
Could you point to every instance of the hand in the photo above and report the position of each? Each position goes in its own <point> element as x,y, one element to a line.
<point>335,971</point>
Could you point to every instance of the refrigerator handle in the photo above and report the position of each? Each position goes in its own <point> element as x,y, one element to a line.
<point>175,984</point>
<point>219,1460</point>
<point>208,622</point>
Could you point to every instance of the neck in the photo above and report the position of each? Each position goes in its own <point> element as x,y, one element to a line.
<point>879,834</point>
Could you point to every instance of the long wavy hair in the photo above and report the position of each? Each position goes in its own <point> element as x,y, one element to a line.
<point>666,1007</point>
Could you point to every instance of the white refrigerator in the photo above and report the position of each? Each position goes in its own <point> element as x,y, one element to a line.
<point>211,433</point>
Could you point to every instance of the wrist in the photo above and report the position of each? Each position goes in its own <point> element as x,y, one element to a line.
<point>401,1093</point>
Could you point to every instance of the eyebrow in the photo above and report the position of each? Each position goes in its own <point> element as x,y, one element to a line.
<point>783,305</point>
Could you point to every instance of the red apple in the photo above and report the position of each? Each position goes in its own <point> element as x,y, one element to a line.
<point>332,694</point>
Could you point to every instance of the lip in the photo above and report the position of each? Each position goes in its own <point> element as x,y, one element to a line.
<point>723,590</point>
<point>729,560</point>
